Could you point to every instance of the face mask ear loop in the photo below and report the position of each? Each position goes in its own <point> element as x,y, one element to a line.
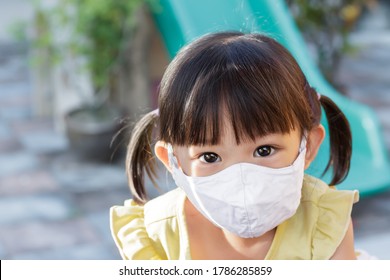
<point>171,158</point>
<point>302,146</point>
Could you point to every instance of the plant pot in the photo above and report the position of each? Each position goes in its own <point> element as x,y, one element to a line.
<point>91,131</point>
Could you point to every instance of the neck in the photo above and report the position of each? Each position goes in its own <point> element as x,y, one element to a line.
<point>250,248</point>
<point>211,242</point>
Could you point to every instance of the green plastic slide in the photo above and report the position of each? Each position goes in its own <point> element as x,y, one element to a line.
<point>181,21</point>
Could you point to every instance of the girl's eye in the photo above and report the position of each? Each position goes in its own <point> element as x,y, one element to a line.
<point>209,158</point>
<point>263,151</point>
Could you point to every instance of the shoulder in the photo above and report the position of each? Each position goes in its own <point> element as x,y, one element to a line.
<point>320,223</point>
<point>323,196</point>
<point>133,230</point>
<point>164,207</point>
<point>330,215</point>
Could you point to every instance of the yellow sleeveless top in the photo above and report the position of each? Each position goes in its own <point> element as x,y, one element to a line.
<point>157,230</point>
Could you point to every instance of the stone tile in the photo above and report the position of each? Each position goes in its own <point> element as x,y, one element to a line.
<point>44,142</point>
<point>10,145</point>
<point>85,177</point>
<point>384,116</point>
<point>369,205</point>
<point>368,89</point>
<point>370,224</point>
<point>14,90</point>
<point>387,141</point>
<point>375,40</point>
<point>23,208</point>
<point>364,71</point>
<point>89,202</point>
<point>21,127</point>
<point>13,68</point>
<point>101,222</point>
<point>16,113</point>
<point>3,252</point>
<point>79,252</point>
<point>15,101</point>
<point>378,59</point>
<point>32,182</point>
<point>14,71</point>
<point>370,216</point>
<point>381,202</point>
<point>35,236</point>
<point>14,163</point>
<point>376,245</point>
<point>5,131</point>
<point>373,101</point>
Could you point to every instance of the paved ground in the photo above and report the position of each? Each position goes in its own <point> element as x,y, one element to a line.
<point>54,205</point>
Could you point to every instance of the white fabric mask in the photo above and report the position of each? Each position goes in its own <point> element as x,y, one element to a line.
<point>245,199</point>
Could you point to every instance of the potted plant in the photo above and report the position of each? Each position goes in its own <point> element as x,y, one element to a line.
<point>98,40</point>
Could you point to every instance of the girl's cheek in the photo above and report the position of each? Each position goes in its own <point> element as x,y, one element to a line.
<point>193,167</point>
<point>200,169</point>
<point>280,160</point>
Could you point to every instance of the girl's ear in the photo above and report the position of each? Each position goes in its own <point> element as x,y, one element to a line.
<point>161,152</point>
<point>314,141</point>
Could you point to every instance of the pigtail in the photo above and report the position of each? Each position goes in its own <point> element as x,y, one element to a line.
<point>340,140</point>
<point>140,157</point>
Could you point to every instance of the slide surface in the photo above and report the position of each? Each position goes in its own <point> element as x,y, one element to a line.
<point>181,21</point>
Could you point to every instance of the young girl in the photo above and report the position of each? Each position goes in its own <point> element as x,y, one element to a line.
<point>238,125</point>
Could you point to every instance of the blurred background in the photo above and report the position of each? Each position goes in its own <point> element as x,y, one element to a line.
<point>74,77</point>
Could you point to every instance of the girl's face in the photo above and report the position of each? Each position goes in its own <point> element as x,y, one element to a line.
<point>274,150</point>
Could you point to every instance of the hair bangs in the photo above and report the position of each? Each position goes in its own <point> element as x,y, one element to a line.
<point>231,100</point>
<point>203,117</point>
<point>253,112</point>
<point>261,94</point>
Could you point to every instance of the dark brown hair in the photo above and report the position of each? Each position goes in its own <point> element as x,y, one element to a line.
<point>252,77</point>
